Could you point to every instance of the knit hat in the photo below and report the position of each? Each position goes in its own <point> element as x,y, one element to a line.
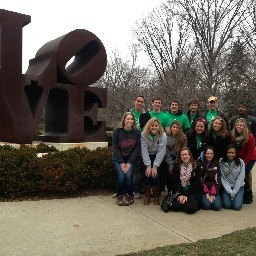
<point>212,98</point>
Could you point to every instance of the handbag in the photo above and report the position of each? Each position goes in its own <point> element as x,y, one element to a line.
<point>167,202</point>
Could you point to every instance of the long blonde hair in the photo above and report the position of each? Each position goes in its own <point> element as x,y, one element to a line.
<point>246,131</point>
<point>146,129</point>
<point>223,132</point>
<point>121,125</point>
<point>181,138</point>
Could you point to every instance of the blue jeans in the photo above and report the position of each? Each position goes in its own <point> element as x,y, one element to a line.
<point>248,169</point>
<point>216,205</point>
<point>124,177</point>
<point>236,203</point>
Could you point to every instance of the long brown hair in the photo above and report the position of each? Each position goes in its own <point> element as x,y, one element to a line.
<point>245,133</point>
<point>121,125</point>
<point>181,138</point>
<point>223,132</point>
<point>178,158</point>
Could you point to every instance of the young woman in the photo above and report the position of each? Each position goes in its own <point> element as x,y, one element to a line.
<point>187,178</point>
<point>175,141</point>
<point>211,181</point>
<point>218,136</point>
<point>245,143</point>
<point>232,178</point>
<point>197,137</point>
<point>153,148</point>
<point>126,147</point>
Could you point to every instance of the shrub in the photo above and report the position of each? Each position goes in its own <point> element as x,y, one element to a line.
<point>22,173</point>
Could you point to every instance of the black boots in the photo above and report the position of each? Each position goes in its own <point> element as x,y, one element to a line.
<point>248,197</point>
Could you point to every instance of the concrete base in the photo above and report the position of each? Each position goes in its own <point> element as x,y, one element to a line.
<point>62,146</point>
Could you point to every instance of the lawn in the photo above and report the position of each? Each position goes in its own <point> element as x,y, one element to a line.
<point>242,243</point>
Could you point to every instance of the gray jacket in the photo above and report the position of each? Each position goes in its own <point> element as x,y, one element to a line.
<point>232,177</point>
<point>153,147</point>
<point>170,152</point>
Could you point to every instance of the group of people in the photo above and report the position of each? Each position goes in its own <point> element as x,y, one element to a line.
<point>203,159</point>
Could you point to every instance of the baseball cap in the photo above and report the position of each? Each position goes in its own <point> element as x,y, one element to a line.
<point>212,98</point>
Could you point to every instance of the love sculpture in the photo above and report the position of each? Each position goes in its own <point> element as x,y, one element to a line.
<point>63,92</point>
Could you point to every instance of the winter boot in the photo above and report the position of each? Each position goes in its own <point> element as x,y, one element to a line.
<point>147,190</point>
<point>156,191</point>
<point>247,197</point>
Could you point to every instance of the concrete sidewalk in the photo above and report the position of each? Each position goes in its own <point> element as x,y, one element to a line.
<point>96,226</point>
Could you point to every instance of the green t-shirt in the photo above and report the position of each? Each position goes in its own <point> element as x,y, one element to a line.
<point>210,115</point>
<point>183,119</point>
<point>192,117</point>
<point>137,117</point>
<point>198,141</point>
<point>162,117</point>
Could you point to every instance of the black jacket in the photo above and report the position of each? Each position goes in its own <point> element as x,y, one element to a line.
<point>195,181</point>
<point>219,144</point>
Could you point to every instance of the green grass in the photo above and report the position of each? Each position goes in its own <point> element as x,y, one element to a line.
<point>239,243</point>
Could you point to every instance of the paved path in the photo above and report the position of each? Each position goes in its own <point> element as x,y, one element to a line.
<point>96,226</point>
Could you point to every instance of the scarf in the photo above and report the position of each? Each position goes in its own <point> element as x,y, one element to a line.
<point>185,174</point>
<point>239,141</point>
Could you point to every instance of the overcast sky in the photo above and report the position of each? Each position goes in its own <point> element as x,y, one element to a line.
<point>110,20</point>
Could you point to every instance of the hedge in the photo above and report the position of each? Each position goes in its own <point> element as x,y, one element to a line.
<point>23,173</point>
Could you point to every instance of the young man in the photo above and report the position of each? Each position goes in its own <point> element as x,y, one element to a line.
<point>160,115</point>
<point>213,111</point>
<point>141,116</point>
<point>193,113</point>
<point>242,113</point>
<point>176,114</point>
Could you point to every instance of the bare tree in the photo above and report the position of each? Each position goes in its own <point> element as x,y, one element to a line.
<point>214,23</point>
<point>164,36</point>
<point>124,81</point>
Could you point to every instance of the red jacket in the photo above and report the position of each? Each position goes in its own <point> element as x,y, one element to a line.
<point>247,150</point>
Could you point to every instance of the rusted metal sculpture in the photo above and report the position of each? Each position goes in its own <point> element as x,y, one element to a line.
<point>71,106</point>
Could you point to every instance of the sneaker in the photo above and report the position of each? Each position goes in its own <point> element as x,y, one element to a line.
<point>137,196</point>
<point>128,200</point>
<point>114,195</point>
<point>119,200</point>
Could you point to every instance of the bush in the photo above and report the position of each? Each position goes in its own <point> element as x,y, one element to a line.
<point>22,173</point>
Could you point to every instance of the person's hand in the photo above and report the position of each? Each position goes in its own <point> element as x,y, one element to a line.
<point>182,199</point>
<point>123,167</point>
<point>211,198</point>
<point>232,198</point>
<point>154,172</point>
<point>127,167</point>
<point>170,169</point>
<point>148,172</point>
<point>207,196</point>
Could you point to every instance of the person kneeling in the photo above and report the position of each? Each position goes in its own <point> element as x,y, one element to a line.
<point>187,177</point>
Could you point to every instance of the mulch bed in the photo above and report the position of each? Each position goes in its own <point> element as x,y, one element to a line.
<point>50,196</point>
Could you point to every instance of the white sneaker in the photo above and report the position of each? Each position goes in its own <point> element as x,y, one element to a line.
<point>137,196</point>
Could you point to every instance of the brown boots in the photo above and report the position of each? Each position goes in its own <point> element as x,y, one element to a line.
<point>147,190</point>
